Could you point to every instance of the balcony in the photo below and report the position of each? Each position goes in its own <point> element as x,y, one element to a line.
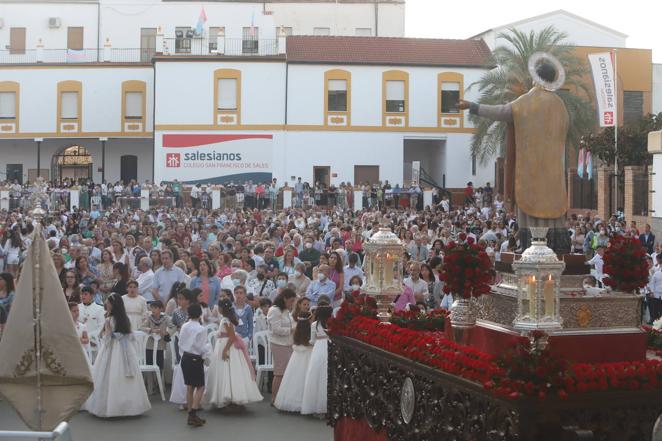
<point>68,56</point>
<point>219,46</point>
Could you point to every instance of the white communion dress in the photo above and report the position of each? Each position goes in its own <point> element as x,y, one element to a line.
<point>314,389</point>
<point>119,389</point>
<point>290,393</point>
<point>230,381</point>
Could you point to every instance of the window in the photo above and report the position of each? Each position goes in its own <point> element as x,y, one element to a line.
<point>363,32</point>
<point>134,105</point>
<point>321,31</point>
<point>227,94</point>
<point>250,40</point>
<point>337,98</point>
<point>147,44</point>
<point>183,37</point>
<point>69,109</point>
<point>287,31</point>
<point>633,106</point>
<point>7,105</point>
<point>17,40</point>
<point>395,96</point>
<point>214,32</point>
<point>450,95</point>
<point>75,38</point>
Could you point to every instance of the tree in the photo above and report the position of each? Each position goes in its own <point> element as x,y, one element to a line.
<point>511,79</point>
<point>632,142</point>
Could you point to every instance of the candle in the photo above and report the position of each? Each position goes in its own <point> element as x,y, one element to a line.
<point>532,297</point>
<point>548,293</point>
<point>388,271</point>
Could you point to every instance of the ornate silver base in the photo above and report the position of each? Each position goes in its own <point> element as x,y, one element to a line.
<point>463,318</point>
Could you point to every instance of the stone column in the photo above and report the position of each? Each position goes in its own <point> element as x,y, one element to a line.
<point>144,199</point>
<point>427,198</point>
<point>604,192</point>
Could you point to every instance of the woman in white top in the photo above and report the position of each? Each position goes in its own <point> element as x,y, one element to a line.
<point>282,326</point>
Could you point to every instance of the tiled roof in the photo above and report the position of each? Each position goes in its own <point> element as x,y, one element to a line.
<point>386,50</point>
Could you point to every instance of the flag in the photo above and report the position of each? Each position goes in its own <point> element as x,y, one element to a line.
<point>580,163</point>
<point>602,68</point>
<point>252,30</point>
<point>202,19</point>
<point>589,165</point>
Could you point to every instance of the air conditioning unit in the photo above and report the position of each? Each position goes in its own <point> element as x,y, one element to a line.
<point>54,22</point>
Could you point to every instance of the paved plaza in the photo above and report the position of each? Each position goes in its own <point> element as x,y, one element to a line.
<point>166,423</point>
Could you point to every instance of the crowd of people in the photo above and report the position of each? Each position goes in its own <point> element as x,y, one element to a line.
<point>180,273</point>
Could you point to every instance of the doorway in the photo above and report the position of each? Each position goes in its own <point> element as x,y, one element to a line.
<point>366,173</point>
<point>432,156</point>
<point>129,168</point>
<point>147,44</point>
<point>74,163</point>
<point>15,173</point>
<point>322,174</point>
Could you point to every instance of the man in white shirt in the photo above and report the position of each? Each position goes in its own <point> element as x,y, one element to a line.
<point>418,285</point>
<point>418,250</point>
<point>194,348</point>
<point>146,278</point>
<point>91,314</point>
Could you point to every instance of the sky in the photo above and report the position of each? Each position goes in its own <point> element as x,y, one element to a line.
<point>639,19</point>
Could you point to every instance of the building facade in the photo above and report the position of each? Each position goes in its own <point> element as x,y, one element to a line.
<point>232,90</point>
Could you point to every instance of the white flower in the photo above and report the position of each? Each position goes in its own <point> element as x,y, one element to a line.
<point>657,324</point>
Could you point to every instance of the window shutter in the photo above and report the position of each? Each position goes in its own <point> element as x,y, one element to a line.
<point>227,94</point>
<point>69,108</point>
<point>338,85</point>
<point>134,105</point>
<point>395,90</point>
<point>455,87</point>
<point>7,104</point>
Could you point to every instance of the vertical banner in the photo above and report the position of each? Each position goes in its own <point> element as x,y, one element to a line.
<point>415,172</point>
<point>602,68</point>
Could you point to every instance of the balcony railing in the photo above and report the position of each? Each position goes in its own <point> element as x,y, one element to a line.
<point>220,46</point>
<point>60,56</point>
<point>168,47</point>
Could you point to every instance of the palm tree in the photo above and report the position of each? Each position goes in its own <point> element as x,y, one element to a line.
<point>510,79</point>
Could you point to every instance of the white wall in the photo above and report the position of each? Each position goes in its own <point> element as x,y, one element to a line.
<point>657,187</point>
<point>121,20</point>
<point>580,32</point>
<point>34,17</point>
<point>102,96</point>
<point>185,92</point>
<point>306,93</point>
<point>657,88</point>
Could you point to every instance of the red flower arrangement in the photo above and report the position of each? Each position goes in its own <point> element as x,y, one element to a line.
<point>467,268</point>
<point>625,264</point>
<point>356,305</point>
<point>421,320</point>
<point>520,372</point>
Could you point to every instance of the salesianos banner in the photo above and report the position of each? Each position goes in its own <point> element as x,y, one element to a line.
<point>213,158</point>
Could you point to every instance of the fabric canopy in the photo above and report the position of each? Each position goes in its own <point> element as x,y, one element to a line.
<point>65,376</point>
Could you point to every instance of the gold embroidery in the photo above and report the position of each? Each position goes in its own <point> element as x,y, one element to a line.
<point>24,364</point>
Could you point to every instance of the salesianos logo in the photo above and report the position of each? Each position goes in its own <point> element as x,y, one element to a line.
<point>173,160</point>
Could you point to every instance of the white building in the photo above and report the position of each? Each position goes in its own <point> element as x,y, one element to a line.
<point>109,89</point>
<point>580,31</point>
<point>657,88</point>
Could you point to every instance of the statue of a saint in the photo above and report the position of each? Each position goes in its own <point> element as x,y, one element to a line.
<point>535,152</point>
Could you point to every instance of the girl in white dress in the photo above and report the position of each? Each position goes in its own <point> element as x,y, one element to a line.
<point>81,331</point>
<point>231,379</point>
<point>314,389</point>
<point>119,389</point>
<point>290,394</point>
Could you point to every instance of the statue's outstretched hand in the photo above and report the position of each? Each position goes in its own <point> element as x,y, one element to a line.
<point>463,105</point>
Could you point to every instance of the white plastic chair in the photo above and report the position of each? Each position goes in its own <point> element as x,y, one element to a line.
<point>262,338</point>
<point>141,340</point>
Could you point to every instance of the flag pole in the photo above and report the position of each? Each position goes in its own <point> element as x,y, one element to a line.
<point>616,95</point>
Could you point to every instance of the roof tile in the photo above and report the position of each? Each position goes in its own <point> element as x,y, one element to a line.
<point>387,50</point>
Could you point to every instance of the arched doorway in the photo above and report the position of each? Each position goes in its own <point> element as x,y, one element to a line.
<point>74,162</point>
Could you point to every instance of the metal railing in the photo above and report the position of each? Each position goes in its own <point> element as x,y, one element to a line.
<point>223,46</point>
<point>61,433</point>
<point>62,56</point>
